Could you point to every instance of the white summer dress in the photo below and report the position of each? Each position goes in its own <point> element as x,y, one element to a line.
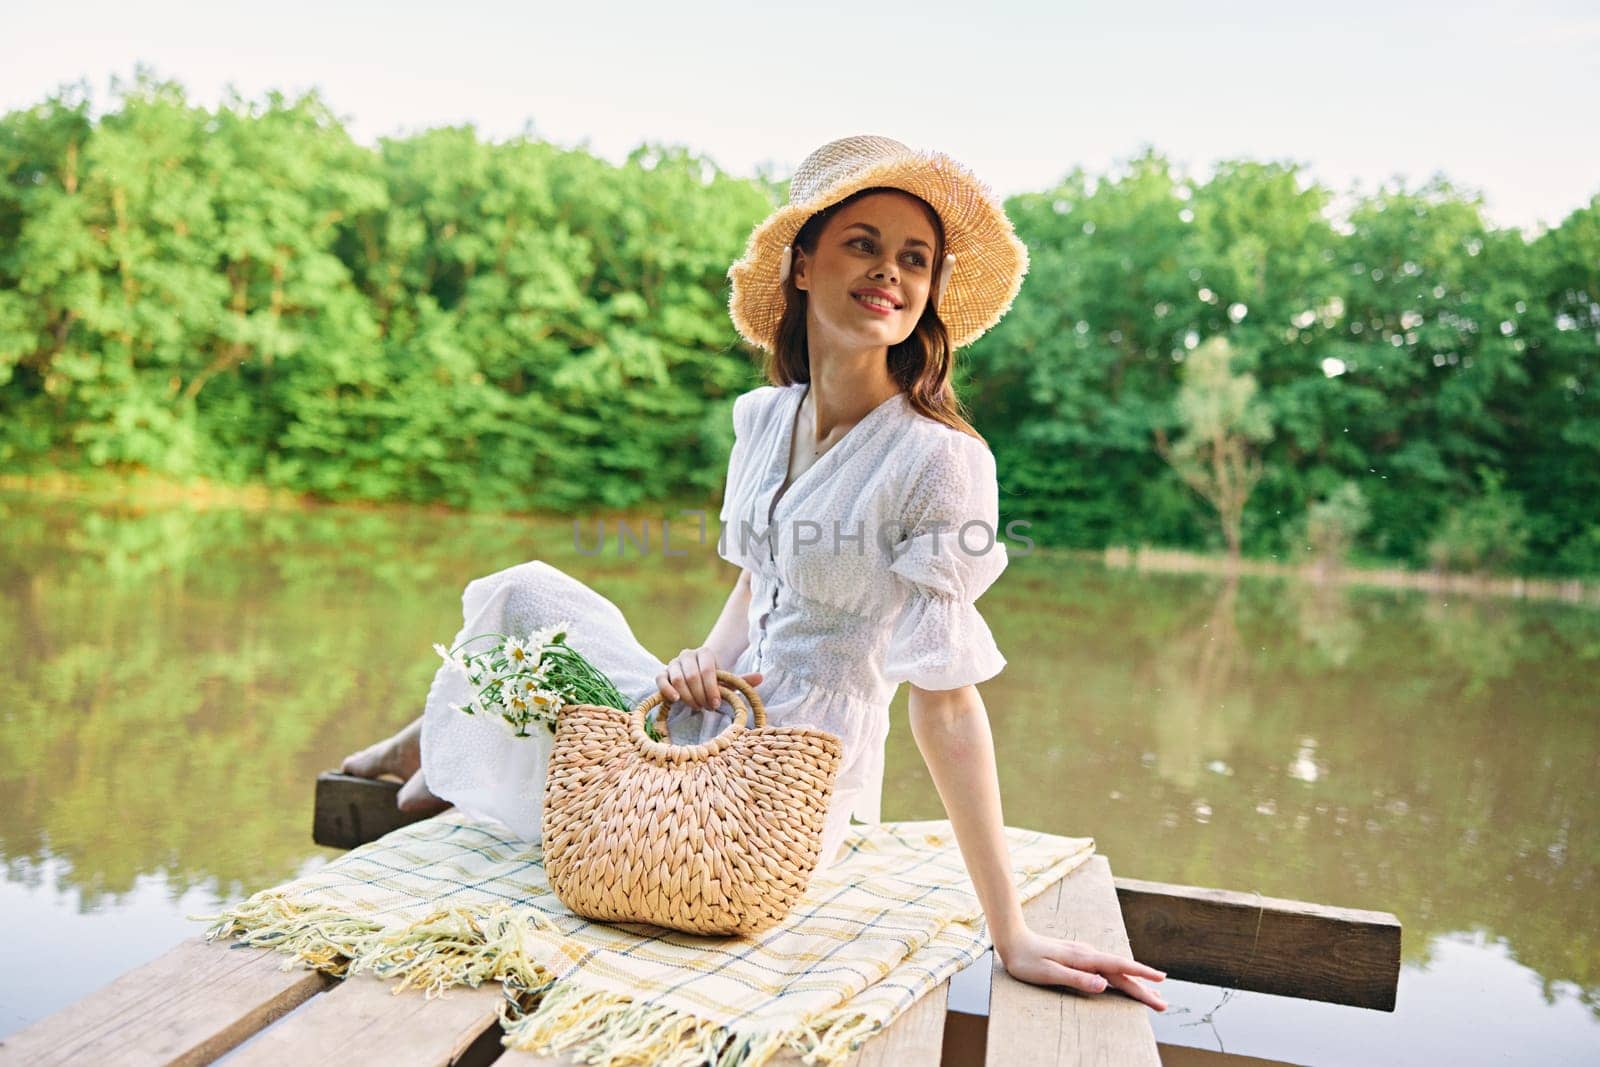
<point>864,572</point>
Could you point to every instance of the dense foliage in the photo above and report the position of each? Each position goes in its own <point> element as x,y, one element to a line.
<point>1450,372</point>
<point>247,294</point>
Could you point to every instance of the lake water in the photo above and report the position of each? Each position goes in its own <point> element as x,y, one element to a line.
<point>174,680</point>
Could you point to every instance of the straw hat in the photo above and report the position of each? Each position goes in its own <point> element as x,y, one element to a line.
<point>984,263</point>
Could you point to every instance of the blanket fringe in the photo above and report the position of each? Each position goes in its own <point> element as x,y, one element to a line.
<point>450,947</point>
<point>610,1030</point>
<point>461,946</point>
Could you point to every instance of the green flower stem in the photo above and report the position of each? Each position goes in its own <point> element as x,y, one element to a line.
<point>564,671</point>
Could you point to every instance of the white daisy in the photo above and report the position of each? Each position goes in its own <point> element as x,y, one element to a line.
<point>547,636</point>
<point>458,660</point>
<point>521,655</point>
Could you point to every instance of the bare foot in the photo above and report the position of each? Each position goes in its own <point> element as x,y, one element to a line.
<point>416,799</point>
<point>399,755</point>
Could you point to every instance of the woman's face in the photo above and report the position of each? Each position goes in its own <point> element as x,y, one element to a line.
<point>870,276</point>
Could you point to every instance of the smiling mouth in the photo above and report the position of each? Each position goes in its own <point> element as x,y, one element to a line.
<point>876,303</point>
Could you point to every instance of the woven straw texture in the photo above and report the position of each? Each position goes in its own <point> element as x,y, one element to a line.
<point>721,837</point>
<point>991,260</point>
<point>458,900</point>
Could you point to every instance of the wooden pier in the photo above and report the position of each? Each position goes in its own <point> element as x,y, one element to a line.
<point>203,1001</point>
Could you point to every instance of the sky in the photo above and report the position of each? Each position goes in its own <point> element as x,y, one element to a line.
<point>1499,98</point>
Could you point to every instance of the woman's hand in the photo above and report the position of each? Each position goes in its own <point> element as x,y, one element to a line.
<point>1045,960</point>
<point>691,676</point>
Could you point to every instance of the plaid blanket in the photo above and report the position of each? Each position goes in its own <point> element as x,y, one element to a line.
<point>456,900</point>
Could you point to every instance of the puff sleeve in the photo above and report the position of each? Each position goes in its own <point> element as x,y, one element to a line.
<point>743,427</point>
<point>740,484</point>
<point>950,554</point>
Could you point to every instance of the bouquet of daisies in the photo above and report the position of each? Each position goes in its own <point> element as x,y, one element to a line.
<point>525,682</point>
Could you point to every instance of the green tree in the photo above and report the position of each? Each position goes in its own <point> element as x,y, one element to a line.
<point>1487,533</point>
<point>1553,412</point>
<point>1331,525</point>
<point>1078,372</point>
<point>1222,422</point>
<point>244,294</point>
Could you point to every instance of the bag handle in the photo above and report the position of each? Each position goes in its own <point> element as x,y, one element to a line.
<point>735,691</point>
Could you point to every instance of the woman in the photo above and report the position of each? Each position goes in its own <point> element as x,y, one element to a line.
<point>861,510</point>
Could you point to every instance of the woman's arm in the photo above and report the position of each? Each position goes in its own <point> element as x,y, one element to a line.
<point>730,634</point>
<point>951,727</point>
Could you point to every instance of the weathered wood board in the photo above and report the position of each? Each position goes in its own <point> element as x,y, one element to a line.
<point>1030,1024</point>
<point>1263,944</point>
<point>187,1007</point>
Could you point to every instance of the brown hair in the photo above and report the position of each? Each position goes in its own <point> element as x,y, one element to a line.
<point>920,364</point>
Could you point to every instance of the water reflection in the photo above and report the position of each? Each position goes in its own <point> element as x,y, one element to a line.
<point>1472,1004</point>
<point>1324,623</point>
<point>176,679</point>
<point>1195,665</point>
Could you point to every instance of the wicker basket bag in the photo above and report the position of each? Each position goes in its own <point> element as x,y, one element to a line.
<point>716,838</point>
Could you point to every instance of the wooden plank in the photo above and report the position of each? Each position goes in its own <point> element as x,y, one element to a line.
<point>187,1007</point>
<point>361,1021</point>
<point>351,811</point>
<point>1033,1024</point>
<point>1264,944</point>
